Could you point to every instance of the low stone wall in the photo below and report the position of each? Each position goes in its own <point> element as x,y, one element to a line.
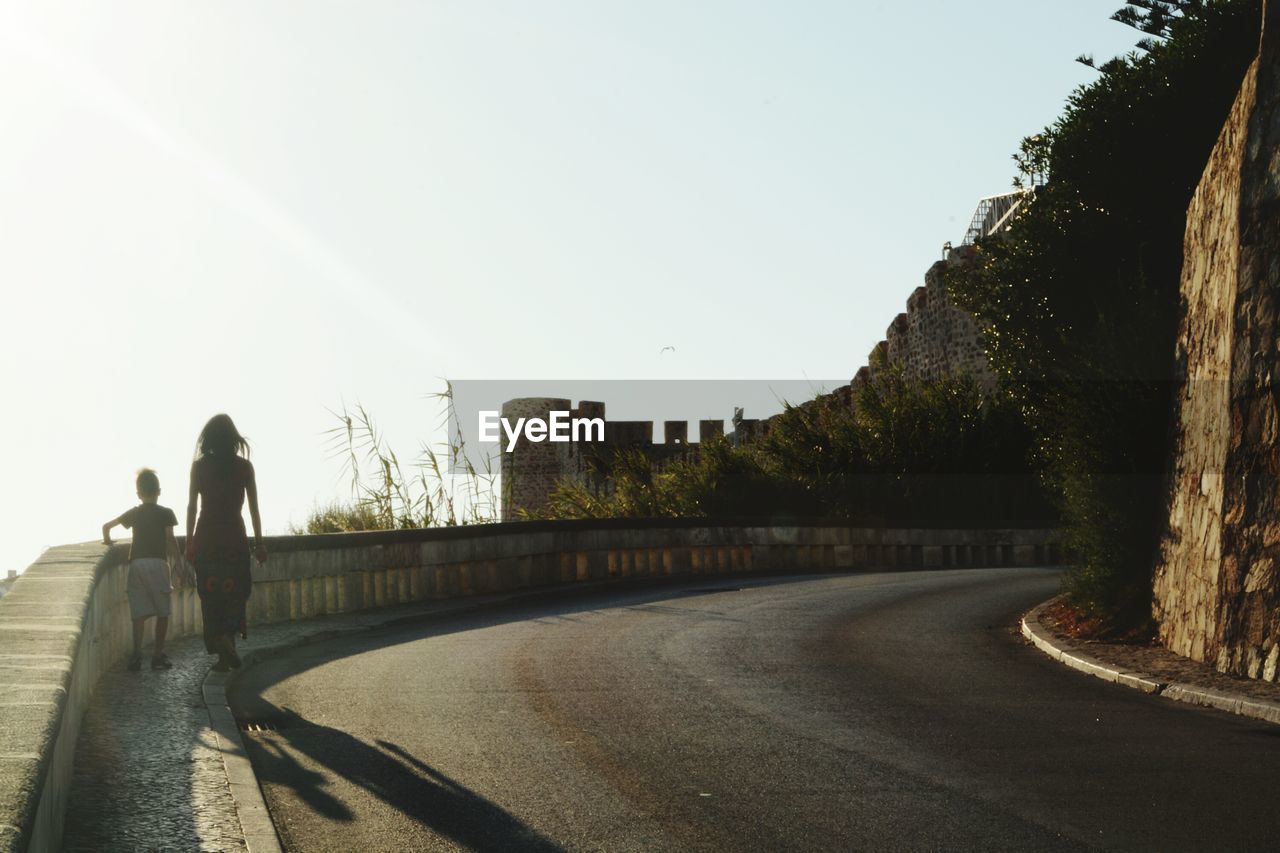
<point>67,618</point>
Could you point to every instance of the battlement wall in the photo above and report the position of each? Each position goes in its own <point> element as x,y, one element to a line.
<point>532,470</point>
<point>934,337</point>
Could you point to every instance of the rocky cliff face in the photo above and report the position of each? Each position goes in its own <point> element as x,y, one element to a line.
<point>1217,590</point>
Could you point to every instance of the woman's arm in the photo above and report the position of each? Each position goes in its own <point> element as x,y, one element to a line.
<point>177,566</point>
<point>171,550</point>
<point>251,491</point>
<point>193,494</point>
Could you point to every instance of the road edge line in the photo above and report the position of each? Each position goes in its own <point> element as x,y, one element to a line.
<point>1071,654</point>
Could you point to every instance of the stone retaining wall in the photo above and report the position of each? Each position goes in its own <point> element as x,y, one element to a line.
<point>67,618</point>
<point>1217,589</point>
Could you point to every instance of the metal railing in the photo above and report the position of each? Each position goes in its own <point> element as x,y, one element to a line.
<point>993,215</point>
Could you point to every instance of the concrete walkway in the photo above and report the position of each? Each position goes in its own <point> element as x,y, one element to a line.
<point>150,770</point>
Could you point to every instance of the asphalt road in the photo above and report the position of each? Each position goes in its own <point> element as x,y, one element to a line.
<point>838,712</point>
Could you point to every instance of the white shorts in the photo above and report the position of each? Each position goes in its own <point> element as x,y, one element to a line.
<point>149,587</point>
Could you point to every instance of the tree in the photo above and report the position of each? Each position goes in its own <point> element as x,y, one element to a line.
<point>1156,18</point>
<point>1079,300</point>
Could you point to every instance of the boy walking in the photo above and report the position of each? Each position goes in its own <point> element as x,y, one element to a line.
<point>149,586</point>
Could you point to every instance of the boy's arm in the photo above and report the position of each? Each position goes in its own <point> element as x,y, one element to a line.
<point>106,530</point>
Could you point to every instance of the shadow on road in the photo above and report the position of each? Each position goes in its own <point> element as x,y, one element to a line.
<point>408,784</point>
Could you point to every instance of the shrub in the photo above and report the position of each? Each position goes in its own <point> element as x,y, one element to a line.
<point>900,450</point>
<point>339,517</point>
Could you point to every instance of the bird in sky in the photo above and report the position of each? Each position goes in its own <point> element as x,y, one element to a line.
<point>664,349</point>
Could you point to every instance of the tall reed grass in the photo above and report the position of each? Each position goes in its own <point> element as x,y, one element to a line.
<point>441,486</point>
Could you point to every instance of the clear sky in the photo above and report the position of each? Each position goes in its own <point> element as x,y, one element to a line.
<point>267,208</point>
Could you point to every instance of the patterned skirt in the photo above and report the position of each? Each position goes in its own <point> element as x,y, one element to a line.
<point>224,585</point>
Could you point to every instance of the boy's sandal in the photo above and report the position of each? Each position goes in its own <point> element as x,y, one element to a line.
<point>135,662</point>
<point>221,666</point>
<point>161,662</point>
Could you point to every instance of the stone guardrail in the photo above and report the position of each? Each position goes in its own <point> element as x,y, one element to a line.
<point>66,619</point>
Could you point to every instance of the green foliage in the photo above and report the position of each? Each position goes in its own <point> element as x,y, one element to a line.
<point>1156,18</point>
<point>339,517</point>
<point>637,491</point>
<point>941,450</point>
<point>1032,160</point>
<point>912,451</point>
<point>1080,298</point>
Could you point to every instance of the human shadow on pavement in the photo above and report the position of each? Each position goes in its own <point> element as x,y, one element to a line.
<point>315,760</point>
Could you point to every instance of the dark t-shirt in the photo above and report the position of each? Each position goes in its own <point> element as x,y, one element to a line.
<point>149,523</point>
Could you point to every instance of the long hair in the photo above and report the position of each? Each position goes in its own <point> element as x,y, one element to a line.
<point>221,440</point>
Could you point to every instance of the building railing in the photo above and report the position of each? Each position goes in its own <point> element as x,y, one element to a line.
<point>993,215</point>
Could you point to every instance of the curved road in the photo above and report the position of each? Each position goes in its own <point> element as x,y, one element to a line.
<point>837,712</point>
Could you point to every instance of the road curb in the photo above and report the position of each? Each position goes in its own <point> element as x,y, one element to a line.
<point>246,795</point>
<point>1072,654</point>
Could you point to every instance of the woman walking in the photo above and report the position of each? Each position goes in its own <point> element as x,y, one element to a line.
<point>221,478</point>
